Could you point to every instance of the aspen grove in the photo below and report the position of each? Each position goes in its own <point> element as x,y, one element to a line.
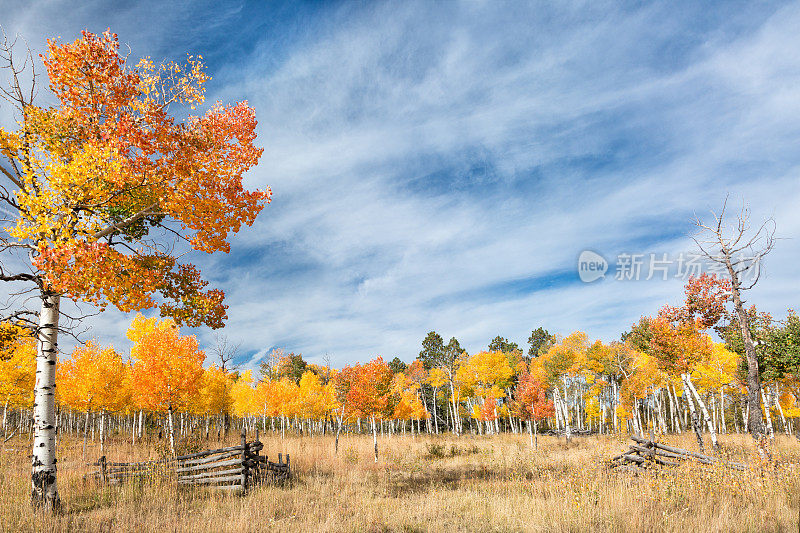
<point>664,377</point>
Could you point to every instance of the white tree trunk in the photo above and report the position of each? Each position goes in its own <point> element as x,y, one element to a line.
<point>171,431</point>
<point>456,417</point>
<point>704,410</point>
<point>780,411</point>
<point>770,429</point>
<point>44,491</point>
<point>614,419</point>
<point>660,410</point>
<point>102,432</point>
<point>723,422</point>
<point>564,412</point>
<point>85,431</point>
<point>435,415</point>
<point>375,438</point>
<point>687,396</point>
<point>530,432</point>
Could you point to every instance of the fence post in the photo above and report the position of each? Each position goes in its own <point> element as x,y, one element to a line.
<point>244,460</point>
<point>103,472</point>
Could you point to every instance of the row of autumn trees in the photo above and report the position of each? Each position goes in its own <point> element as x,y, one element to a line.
<point>666,374</point>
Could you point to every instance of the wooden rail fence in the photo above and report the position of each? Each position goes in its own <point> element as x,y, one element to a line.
<point>232,469</point>
<point>647,452</point>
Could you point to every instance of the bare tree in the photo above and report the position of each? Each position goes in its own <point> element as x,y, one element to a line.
<point>226,351</point>
<point>740,250</point>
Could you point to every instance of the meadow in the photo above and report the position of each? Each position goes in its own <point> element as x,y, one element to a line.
<point>425,483</point>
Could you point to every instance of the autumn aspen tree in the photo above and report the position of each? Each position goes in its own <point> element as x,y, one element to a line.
<point>90,177</point>
<point>167,369</point>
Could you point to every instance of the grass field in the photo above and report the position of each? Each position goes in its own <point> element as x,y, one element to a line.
<point>426,484</point>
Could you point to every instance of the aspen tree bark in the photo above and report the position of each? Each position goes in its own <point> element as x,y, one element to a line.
<point>435,415</point>
<point>614,420</point>
<point>674,419</point>
<point>456,417</point>
<point>85,431</point>
<point>703,410</point>
<point>661,407</point>
<point>557,410</point>
<point>564,413</point>
<point>770,429</point>
<point>723,422</point>
<point>780,411</point>
<point>44,492</point>
<point>640,427</point>
<point>102,432</point>
<point>338,430</point>
<point>687,396</point>
<point>746,415</point>
<point>530,432</point>
<point>375,438</point>
<point>171,430</point>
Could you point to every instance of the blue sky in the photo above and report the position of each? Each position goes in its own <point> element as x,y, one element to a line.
<point>442,165</point>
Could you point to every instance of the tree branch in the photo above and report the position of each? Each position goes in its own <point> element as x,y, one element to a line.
<point>125,223</point>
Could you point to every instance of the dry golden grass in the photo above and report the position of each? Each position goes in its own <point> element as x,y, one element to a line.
<point>468,484</point>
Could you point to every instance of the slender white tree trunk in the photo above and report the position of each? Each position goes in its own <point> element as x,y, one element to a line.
<point>614,420</point>
<point>102,432</point>
<point>530,432</point>
<point>746,415</point>
<point>456,417</point>
<point>44,491</point>
<point>171,431</point>
<point>85,431</point>
<point>723,422</point>
<point>770,429</point>
<point>660,408</point>
<point>674,405</point>
<point>704,410</point>
<point>564,413</point>
<point>780,411</point>
<point>435,415</point>
<point>375,438</point>
<point>687,395</point>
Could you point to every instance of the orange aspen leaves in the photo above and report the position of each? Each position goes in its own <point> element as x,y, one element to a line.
<point>109,162</point>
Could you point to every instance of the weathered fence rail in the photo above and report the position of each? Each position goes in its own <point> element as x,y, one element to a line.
<point>647,452</point>
<point>231,469</point>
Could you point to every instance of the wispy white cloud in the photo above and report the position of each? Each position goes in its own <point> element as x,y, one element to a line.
<point>424,156</point>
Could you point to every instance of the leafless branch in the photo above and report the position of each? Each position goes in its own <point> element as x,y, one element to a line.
<point>728,245</point>
<point>226,351</point>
